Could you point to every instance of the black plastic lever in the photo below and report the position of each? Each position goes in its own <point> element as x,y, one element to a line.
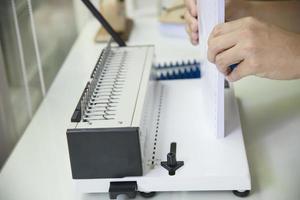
<point>104,23</point>
<point>172,164</point>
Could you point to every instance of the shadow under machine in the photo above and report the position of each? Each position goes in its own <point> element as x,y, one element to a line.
<point>131,133</point>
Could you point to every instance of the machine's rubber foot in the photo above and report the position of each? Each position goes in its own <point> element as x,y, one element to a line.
<point>147,194</point>
<point>238,193</point>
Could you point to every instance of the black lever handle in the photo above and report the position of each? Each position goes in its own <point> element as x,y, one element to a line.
<point>171,157</point>
<point>104,23</point>
<point>172,164</point>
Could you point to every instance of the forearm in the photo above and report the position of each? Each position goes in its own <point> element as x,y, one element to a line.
<point>285,14</point>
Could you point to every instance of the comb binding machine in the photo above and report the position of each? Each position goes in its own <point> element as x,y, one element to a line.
<point>125,121</point>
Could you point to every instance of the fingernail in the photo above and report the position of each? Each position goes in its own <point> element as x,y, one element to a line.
<point>229,78</point>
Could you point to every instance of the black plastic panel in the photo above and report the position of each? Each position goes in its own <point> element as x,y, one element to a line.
<point>104,153</point>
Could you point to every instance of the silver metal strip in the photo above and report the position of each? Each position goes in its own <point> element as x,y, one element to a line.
<point>22,59</point>
<point>36,48</point>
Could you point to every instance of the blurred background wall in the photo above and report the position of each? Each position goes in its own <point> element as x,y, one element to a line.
<point>34,42</point>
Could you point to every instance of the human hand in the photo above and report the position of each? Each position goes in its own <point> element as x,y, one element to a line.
<point>190,17</point>
<point>260,49</point>
<point>234,9</point>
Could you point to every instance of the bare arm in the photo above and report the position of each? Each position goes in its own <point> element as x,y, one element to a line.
<point>258,46</point>
<point>285,14</point>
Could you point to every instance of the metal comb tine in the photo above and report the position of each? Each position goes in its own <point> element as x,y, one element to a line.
<point>104,93</point>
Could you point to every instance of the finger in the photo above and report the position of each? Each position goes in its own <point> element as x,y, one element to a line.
<point>191,21</point>
<point>228,57</point>
<point>227,27</point>
<point>194,42</point>
<point>192,7</point>
<point>243,69</point>
<point>193,36</point>
<point>219,44</point>
<point>194,39</point>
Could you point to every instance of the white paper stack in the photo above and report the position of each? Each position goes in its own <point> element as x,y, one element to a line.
<point>211,13</point>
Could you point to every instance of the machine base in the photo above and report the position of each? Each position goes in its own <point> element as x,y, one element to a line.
<point>210,163</point>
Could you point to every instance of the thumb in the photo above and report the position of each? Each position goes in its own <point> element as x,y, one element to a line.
<point>243,69</point>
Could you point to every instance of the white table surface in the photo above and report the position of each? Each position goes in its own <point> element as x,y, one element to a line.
<point>39,166</point>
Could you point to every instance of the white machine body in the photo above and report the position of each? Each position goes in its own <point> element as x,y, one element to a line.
<point>163,112</point>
